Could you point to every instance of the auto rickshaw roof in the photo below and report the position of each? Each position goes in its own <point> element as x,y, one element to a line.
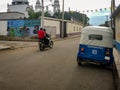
<point>97,30</point>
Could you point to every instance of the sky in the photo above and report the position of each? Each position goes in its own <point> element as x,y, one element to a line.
<point>74,5</point>
<point>77,5</point>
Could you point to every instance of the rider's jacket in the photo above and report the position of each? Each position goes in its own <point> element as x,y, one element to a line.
<point>41,34</point>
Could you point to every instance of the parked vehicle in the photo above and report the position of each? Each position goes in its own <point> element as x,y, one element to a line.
<point>43,44</point>
<point>96,45</point>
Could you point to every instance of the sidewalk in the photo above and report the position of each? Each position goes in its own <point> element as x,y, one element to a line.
<point>117,67</point>
<point>4,45</point>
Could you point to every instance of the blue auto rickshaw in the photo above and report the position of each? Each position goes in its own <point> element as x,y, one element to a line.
<point>96,45</point>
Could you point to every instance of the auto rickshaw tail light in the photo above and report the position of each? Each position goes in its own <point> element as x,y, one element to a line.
<point>82,49</point>
<point>107,52</point>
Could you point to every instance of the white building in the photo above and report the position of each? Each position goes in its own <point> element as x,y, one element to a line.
<point>11,15</point>
<point>38,7</point>
<point>56,6</point>
<point>21,6</point>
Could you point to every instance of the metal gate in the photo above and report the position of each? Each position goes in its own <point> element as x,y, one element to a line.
<point>51,30</point>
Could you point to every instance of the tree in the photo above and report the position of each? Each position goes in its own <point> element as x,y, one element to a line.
<point>71,15</point>
<point>57,15</point>
<point>33,15</point>
<point>67,16</point>
<point>47,14</point>
<point>76,16</point>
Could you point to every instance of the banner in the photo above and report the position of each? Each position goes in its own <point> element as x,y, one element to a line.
<point>96,10</point>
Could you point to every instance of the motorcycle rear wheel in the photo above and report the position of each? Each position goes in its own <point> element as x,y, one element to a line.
<point>41,47</point>
<point>51,44</point>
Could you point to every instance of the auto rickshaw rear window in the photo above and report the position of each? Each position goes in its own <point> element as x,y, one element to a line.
<point>95,37</point>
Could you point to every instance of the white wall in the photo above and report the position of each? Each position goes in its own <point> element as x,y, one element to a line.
<point>19,8</point>
<point>51,31</point>
<point>14,15</point>
<point>117,21</point>
<point>73,27</point>
<point>3,27</point>
<point>53,23</point>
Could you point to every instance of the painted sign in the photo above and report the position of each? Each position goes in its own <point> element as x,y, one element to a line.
<point>23,27</point>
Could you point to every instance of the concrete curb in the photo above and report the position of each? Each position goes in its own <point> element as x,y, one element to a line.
<point>5,47</point>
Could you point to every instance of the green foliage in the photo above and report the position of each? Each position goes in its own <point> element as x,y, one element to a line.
<point>75,16</point>
<point>36,15</point>
<point>47,14</point>
<point>33,15</point>
<point>71,15</point>
<point>57,15</point>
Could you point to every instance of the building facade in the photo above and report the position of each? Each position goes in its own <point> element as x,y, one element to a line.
<point>21,6</point>
<point>38,7</point>
<point>56,6</point>
<point>28,28</point>
<point>11,15</point>
<point>116,26</point>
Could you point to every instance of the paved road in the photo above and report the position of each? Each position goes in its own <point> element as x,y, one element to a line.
<point>52,69</point>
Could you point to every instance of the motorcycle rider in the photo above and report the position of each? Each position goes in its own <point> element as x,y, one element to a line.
<point>41,34</point>
<point>46,37</point>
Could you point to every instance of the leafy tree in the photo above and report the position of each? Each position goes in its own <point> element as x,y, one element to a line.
<point>67,16</point>
<point>47,14</point>
<point>71,15</point>
<point>33,15</point>
<point>36,15</point>
<point>57,15</point>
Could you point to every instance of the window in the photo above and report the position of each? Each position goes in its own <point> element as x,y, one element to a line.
<point>77,29</point>
<point>95,37</point>
<point>74,29</point>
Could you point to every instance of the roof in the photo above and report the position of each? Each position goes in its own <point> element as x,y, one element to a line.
<point>116,12</point>
<point>97,30</point>
<point>11,15</point>
<point>20,0</point>
<point>11,12</point>
<point>105,32</point>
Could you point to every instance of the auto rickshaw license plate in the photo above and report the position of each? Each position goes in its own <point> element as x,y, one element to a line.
<point>94,51</point>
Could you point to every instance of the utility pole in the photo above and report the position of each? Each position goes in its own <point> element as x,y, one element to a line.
<point>42,17</point>
<point>63,19</point>
<point>112,6</point>
<point>113,19</point>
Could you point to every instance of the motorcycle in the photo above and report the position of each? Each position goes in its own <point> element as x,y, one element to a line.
<point>43,44</point>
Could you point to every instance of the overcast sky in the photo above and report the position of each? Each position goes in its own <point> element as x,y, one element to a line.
<point>78,5</point>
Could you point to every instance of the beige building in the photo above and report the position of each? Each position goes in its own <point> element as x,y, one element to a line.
<point>52,26</point>
<point>116,16</point>
<point>11,15</point>
<point>70,27</point>
<point>3,27</point>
